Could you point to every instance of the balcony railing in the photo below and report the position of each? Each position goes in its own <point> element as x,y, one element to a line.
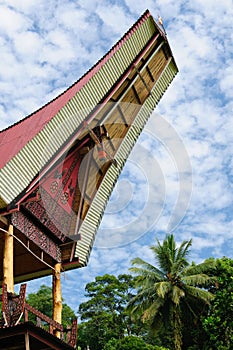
<point>15,310</point>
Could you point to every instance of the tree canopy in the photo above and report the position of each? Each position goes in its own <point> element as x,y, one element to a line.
<point>129,343</point>
<point>42,300</point>
<point>172,304</point>
<point>104,311</point>
<point>219,321</point>
<point>173,292</point>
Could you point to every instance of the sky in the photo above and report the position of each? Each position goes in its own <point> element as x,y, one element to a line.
<point>179,177</point>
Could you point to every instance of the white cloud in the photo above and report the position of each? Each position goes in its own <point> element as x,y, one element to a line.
<point>114,17</point>
<point>226,79</point>
<point>28,45</point>
<point>46,46</point>
<point>12,22</point>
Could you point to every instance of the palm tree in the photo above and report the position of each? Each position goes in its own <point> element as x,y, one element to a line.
<point>167,295</point>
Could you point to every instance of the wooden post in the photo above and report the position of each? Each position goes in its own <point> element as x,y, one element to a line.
<point>27,342</point>
<point>57,296</point>
<point>8,260</point>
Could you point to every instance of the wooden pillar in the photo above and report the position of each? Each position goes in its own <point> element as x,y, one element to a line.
<point>57,296</point>
<point>8,260</point>
<point>27,341</point>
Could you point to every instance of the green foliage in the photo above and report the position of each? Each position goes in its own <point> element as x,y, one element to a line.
<point>161,306</point>
<point>42,300</point>
<point>219,322</point>
<point>68,315</point>
<point>168,295</point>
<point>130,343</point>
<point>104,311</point>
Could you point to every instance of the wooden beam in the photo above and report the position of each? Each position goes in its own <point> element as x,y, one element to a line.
<point>57,296</point>
<point>142,79</point>
<point>83,188</point>
<point>122,115</point>
<point>136,95</point>
<point>8,257</point>
<point>149,73</point>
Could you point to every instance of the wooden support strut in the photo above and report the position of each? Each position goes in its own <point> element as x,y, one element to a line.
<point>8,254</point>
<point>99,144</point>
<point>57,296</point>
<point>142,79</point>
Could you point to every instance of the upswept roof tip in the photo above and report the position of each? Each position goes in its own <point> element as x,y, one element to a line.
<point>16,136</point>
<point>140,20</point>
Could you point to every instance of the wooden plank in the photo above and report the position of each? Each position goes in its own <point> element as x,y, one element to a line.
<point>143,92</point>
<point>130,110</point>
<point>157,64</point>
<point>121,89</point>
<point>129,97</point>
<point>43,317</point>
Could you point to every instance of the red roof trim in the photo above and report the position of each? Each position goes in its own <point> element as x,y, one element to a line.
<point>16,136</point>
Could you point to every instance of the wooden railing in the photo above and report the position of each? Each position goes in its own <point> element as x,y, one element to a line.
<point>15,310</point>
<point>67,334</point>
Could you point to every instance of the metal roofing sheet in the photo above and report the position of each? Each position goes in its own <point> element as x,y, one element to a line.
<point>17,174</point>
<point>90,225</point>
<point>30,126</point>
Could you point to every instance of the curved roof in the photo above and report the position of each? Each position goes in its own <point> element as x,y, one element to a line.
<point>56,146</point>
<point>26,146</point>
<point>15,137</point>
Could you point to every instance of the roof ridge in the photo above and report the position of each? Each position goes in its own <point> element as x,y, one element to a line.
<point>142,18</point>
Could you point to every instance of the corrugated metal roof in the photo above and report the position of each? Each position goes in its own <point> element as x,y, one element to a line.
<point>20,170</point>
<point>15,135</point>
<point>62,120</point>
<point>90,225</point>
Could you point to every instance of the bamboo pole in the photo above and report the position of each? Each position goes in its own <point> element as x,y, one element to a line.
<point>57,296</point>
<point>8,260</point>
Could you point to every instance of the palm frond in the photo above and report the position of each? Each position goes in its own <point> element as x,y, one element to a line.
<point>187,306</point>
<point>177,294</point>
<point>198,293</point>
<point>200,280</point>
<point>179,266</point>
<point>165,253</point>
<point>183,250</point>
<point>181,257</point>
<point>144,293</point>
<point>162,288</point>
<point>204,267</point>
<point>152,310</point>
<point>145,279</point>
<point>173,289</point>
<point>145,265</point>
<point>140,303</point>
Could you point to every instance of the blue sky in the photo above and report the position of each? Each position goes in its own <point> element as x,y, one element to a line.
<point>187,146</point>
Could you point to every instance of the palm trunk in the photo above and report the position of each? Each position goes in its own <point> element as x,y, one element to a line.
<point>177,333</point>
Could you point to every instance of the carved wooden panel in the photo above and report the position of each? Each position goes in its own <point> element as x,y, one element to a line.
<point>36,235</point>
